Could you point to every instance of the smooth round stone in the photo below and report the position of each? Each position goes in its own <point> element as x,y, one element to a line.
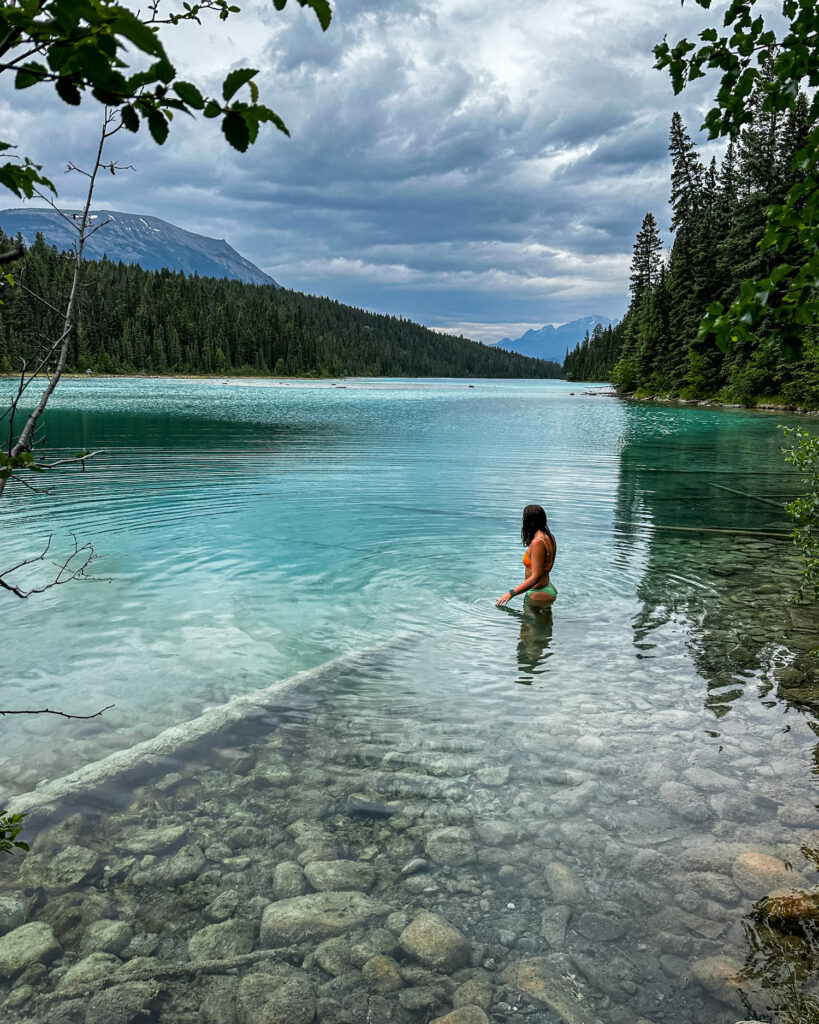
<point>434,942</point>
<point>496,832</point>
<point>13,911</point>
<point>756,874</point>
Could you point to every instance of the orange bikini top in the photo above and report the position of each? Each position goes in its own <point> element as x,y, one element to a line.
<point>527,561</point>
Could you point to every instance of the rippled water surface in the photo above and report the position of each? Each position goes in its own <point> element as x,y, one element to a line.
<point>621,778</point>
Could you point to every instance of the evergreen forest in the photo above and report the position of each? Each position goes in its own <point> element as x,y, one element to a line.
<point>718,219</point>
<point>138,321</point>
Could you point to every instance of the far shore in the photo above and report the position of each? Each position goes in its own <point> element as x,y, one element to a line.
<point>760,404</point>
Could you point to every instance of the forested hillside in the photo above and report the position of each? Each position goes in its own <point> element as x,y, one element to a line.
<point>133,320</point>
<point>718,220</point>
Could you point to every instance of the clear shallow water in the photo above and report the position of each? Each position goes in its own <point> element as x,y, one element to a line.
<point>653,729</point>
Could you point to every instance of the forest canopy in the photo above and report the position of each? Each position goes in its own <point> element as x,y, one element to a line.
<point>719,214</point>
<point>138,321</point>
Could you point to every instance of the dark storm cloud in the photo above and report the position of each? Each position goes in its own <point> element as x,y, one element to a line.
<point>453,162</point>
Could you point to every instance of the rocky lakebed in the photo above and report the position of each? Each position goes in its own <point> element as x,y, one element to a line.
<point>348,870</point>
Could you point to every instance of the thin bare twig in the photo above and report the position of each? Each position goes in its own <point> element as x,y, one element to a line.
<point>62,714</point>
<point>77,459</point>
<point>66,572</point>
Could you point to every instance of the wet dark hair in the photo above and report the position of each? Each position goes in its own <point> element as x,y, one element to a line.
<point>534,519</point>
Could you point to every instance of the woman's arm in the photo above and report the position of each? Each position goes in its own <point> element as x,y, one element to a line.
<point>538,569</point>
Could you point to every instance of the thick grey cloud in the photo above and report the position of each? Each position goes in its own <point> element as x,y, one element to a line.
<point>457,162</point>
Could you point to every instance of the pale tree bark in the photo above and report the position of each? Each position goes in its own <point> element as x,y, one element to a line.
<point>47,362</point>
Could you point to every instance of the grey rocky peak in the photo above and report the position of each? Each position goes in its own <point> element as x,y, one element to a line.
<point>553,340</point>
<point>151,243</point>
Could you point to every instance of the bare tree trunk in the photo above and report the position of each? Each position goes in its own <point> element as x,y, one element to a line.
<point>50,358</point>
<point>60,345</point>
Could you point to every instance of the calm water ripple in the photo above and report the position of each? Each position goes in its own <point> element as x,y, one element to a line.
<point>637,763</point>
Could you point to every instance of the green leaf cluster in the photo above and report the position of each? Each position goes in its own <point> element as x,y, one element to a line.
<point>11,825</point>
<point>103,48</point>
<point>804,511</point>
<point>750,59</point>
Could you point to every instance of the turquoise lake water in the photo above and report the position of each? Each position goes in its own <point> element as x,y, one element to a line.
<point>658,724</point>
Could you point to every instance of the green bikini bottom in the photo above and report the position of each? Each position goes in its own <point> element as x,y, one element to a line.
<point>550,589</point>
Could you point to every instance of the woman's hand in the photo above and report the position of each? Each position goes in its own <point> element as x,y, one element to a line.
<point>507,597</point>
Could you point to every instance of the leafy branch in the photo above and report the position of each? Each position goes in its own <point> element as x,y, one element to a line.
<point>79,47</point>
<point>748,56</point>
<point>11,825</point>
<point>804,511</point>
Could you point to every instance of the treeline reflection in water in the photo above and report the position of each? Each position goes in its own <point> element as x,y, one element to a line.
<point>718,564</point>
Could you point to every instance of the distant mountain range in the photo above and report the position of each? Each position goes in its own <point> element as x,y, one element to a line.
<point>152,243</point>
<point>552,342</point>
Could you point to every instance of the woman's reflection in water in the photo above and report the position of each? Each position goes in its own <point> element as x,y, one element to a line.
<point>535,636</point>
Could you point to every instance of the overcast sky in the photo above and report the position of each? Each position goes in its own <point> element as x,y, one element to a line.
<point>475,166</point>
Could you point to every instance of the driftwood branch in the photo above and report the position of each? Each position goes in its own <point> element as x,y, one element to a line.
<point>62,714</point>
<point>171,971</point>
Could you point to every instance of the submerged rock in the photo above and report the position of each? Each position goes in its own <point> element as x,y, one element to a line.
<point>224,906</point>
<point>464,1015</point>
<point>496,832</point>
<point>284,997</point>
<point>288,880</point>
<point>791,910</point>
<point>106,937</point>
<point>29,944</point>
<point>13,910</point>
<point>123,1004</point>
<point>553,982</point>
<point>333,956</point>
<point>757,873</point>
<point>600,927</point>
<point>553,923</point>
<point>473,993</point>
<point>185,864</point>
<point>383,973</point>
<point>339,875</point>
<point>220,941</point>
<point>155,840</point>
<point>85,975</point>
<point>71,867</point>
<point>720,976</point>
<point>565,886</point>
<point>452,846</point>
<point>318,916</point>
<point>436,943</point>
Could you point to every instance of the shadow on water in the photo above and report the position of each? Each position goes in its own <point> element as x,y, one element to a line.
<point>719,561</point>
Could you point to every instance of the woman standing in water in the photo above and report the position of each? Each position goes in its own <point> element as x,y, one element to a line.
<point>541,551</point>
